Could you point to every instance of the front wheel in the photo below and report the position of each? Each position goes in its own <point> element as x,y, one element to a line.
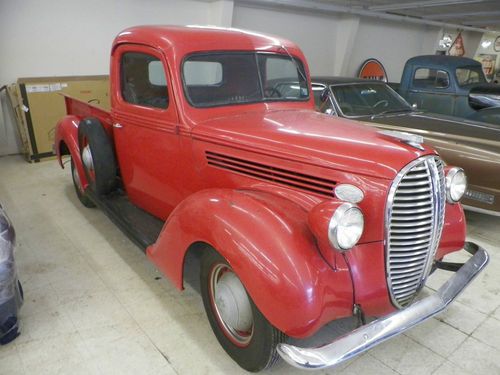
<point>241,329</point>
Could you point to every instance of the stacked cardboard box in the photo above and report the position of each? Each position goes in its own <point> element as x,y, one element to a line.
<point>39,104</point>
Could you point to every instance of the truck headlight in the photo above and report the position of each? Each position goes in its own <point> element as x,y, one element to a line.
<point>346,226</point>
<point>456,184</point>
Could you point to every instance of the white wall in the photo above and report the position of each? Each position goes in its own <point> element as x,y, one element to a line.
<point>392,43</point>
<point>313,33</point>
<point>73,37</point>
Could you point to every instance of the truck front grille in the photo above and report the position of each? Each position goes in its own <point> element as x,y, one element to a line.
<point>414,222</point>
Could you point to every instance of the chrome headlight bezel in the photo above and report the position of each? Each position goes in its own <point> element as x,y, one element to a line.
<point>337,224</point>
<point>451,182</point>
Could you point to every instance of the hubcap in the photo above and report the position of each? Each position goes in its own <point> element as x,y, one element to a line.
<point>231,305</point>
<point>76,178</point>
<point>87,159</point>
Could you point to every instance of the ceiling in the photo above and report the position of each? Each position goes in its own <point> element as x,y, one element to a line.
<point>484,14</point>
<point>474,15</point>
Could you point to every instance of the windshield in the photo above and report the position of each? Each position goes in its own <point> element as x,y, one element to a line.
<point>368,99</point>
<point>218,79</point>
<point>470,74</point>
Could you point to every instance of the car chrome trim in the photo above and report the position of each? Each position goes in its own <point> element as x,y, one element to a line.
<point>380,330</point>
<point>481,210</point>
<point>430,170</point>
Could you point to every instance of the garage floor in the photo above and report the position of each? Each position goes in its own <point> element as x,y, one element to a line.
<point>95,305</point>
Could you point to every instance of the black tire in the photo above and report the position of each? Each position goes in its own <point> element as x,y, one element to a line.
<point>82,196</point>
<point>102,175</point>
<point>260,352</point>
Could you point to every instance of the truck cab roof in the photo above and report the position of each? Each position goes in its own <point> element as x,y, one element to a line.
<point>186,39</point>
<point>442,61</point>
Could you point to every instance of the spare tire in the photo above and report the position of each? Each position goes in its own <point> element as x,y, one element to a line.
<point>98,157</point>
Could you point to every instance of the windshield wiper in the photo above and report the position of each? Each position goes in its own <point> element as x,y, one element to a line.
<point>399,110</point>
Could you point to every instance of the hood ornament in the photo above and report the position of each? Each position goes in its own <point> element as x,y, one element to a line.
<point>413,140</point>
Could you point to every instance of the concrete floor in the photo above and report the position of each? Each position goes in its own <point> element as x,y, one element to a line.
<point>95,305</point>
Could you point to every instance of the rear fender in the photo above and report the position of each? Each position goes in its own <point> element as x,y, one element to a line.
<point>266,240</point>
<point>67,135</point>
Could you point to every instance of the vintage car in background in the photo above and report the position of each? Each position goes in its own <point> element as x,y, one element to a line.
<point>474,146</point>
<point>212,149</point>
<point>449,85</point>
<point>11,292</point>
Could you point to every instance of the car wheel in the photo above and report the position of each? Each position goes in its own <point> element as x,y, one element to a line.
<point>241,329</point>
<point>97,156</point>
<point>80,193</point>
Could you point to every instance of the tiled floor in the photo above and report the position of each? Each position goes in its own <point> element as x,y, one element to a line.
<point>95,305</point>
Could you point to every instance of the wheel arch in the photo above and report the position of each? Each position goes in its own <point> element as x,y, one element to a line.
<point>266,241</point>
<point>66,143</point>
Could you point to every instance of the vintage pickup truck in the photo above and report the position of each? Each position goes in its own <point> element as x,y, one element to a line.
<point>212,149</point>
<point>449,85</point>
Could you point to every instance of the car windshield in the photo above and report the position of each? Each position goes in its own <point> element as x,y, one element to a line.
<point>470,74</point>
<point>368,99</point>
<point>226,78</point>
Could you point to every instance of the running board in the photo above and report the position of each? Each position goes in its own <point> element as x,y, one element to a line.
<point>141,227</point>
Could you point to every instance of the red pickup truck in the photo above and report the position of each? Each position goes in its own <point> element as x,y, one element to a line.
<point>212,148</point>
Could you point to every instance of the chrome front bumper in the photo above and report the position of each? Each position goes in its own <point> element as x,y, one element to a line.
<point>380,330</point>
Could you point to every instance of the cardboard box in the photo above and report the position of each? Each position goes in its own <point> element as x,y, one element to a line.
<point>39,105</point>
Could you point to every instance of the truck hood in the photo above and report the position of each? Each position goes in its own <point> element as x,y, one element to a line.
<point>312,138</point>
<point>484,96</point>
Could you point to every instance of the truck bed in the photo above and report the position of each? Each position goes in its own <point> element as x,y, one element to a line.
<point>82,109</point>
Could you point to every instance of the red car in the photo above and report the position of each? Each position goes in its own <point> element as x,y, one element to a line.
<point>212,148</point>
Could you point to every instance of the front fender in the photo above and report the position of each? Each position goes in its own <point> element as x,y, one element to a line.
<point>266,240</point>
<point>67,135</point>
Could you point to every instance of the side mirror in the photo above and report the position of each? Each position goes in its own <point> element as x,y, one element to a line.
<point>324,95</point>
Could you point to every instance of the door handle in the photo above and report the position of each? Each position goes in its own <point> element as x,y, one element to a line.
<point>117,126</point>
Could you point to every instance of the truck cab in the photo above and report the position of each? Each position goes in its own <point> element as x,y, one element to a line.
<point>447,85</point>
<point>212,149</point>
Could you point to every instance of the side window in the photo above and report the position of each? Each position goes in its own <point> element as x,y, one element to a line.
<point>431,78</point>
<point>143,80</point>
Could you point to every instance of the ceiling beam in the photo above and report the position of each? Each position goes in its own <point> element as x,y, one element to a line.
<point>419,4</point>
<point>328,8</point>
<point>489,21</point>
<point>444,16</point>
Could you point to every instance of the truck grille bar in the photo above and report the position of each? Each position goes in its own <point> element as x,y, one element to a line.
<point>414,222</point>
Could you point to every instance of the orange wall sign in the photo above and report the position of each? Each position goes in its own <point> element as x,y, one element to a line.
<point>372,69</point>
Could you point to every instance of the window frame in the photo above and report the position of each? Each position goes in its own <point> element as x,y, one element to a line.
<point>156,57</point>
<point>434,85</point>
<point>235,52</point>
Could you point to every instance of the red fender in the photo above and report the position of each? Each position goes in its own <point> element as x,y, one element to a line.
<point>454,230</point>
<point>266,240</point>
<point>67,133</point>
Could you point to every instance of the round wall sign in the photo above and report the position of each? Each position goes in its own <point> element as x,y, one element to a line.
<point>496,45</point>
<point>372,69</point>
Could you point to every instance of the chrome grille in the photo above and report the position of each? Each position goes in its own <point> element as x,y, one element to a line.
<point>414,222</point>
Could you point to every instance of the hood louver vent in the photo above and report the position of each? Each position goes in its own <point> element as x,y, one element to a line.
<point>264,172</point>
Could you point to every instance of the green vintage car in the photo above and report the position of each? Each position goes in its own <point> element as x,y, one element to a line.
<point>450,85</point>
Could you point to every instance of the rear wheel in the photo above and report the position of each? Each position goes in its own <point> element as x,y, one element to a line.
<point>80,193</point>
<point>241,329</point>
<point>97,156</point>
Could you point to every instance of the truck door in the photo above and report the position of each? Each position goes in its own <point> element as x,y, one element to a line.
<point>432,90</point>
<point>145,128</point>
